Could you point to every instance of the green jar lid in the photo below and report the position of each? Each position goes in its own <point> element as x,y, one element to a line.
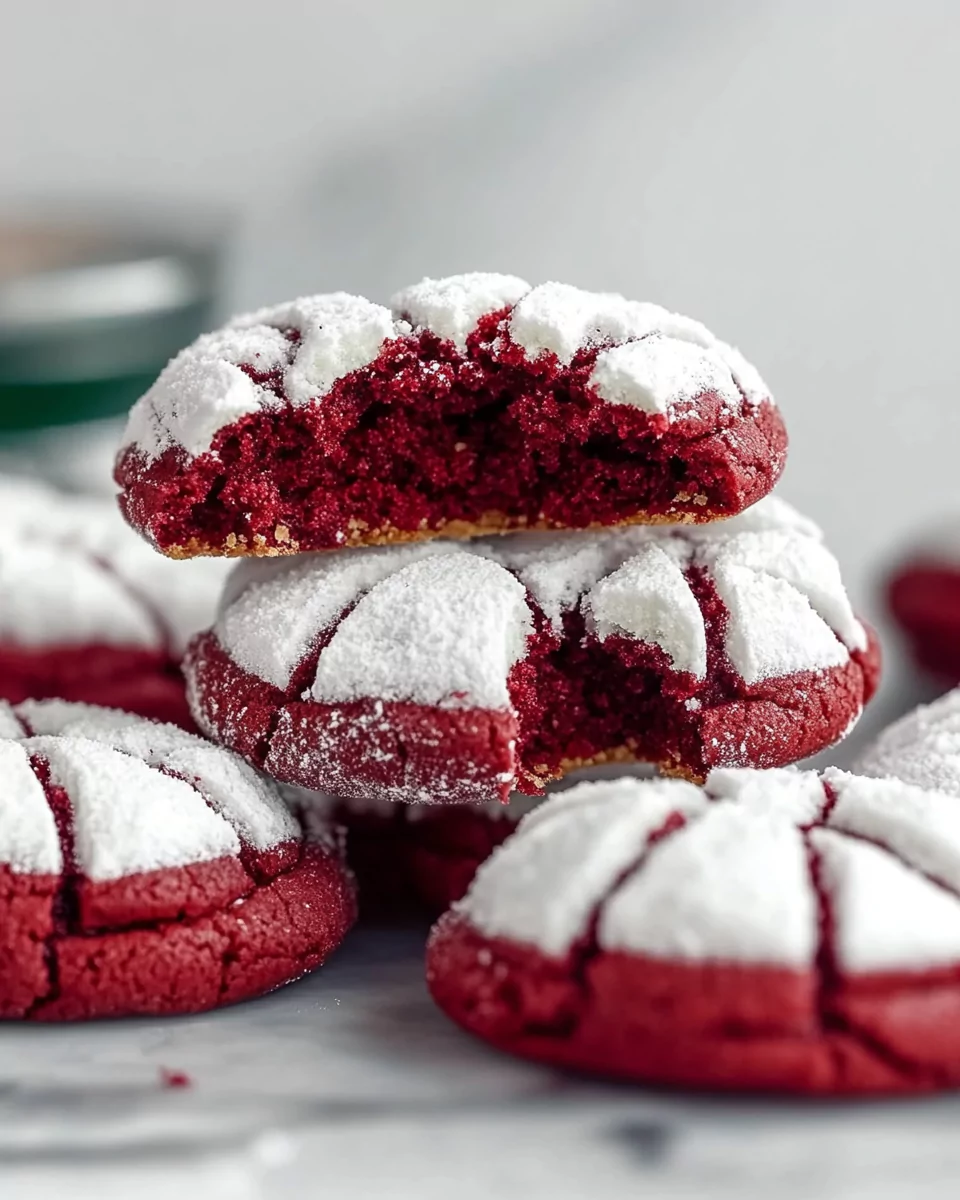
<point>91,311</point>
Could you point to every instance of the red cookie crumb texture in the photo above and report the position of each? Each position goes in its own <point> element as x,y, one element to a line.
<point>89,613</point>
<point>452,674</point>
<point>143,871</point>
<point>330,422</point>
<point>924,597</point>
<point>776,931</point>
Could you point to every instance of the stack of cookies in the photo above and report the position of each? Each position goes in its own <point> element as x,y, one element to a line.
<point>492,536</point>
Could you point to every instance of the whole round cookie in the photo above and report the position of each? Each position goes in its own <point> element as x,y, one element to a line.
<point>447,672</point>
<point>773,930</point>
<point>478,404</point>
<point>923,594</point>
<point>90,613</point>
<point>145,871</point>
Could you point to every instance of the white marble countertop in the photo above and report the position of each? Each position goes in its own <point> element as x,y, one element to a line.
<point>350,1084</point>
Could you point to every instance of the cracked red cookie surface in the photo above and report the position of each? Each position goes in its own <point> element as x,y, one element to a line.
<point>145,871</point>
<point>923,594</point>
<point>87,611</point>
<point>477,404</point>
<point>774,930</point>
<point>447,672</point>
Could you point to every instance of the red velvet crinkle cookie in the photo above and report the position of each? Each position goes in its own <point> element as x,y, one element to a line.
<point>87,611</point>
<point>775,930</point>
<point>143,870</point>
<point>449,672</point>
<point>923,593</point>
<point>479,404</point>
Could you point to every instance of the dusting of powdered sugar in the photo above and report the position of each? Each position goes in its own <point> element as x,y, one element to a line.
<point>274,611</point>
<point>339,334</point>
<point>128,817</point>
<point>209,385</point>
<point>922,748</point>
<point>443,630</point>
<point>732,879</point>
<point>205,388</point>
<point>732,885</point>
<point>29,844</point>
<point>560,319</point>
<point>542,885</point>
<point>886,916</point>
<point>52,598</point>
<point>919,824</point>
<point>557,569</point>
<point>248,802</point>
<point>10,726</point>
<point>663,375</point>
<point>787,608</point>
<point>797,795</point>
<point>649,599</point>
<point>451,307</point>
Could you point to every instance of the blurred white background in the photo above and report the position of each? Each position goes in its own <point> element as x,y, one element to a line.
<point>788,172</point>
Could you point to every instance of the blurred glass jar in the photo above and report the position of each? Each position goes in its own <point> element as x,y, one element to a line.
<point>91,308</point>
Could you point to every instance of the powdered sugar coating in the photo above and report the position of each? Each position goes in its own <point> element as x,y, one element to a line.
<point>788,610</point>
<point>886,917</point>
<point>442,630</point>
<point>211,384</point>
<point>339,333</point>
<point>786,604</point>
<point>28,833</point>
<point>690,898</point>
<point>72,572</point>
<point>128,818</point>
<point>922,748</point>
<point>205,388</point>
<point>451,307</point>
<point>559,319</point>
<point>770,513</point>
<point>748,378</point>
<point>573,853</point>
<point>10,726</point>
<point>796,795</point>
<point>771,628</point>
<point>648,598</point>
<point>271,612</point>
<point>248,803</point>
<point>919,824</point>
<point>661,374</point>
<point>714,874</point>
<point>803,563</point>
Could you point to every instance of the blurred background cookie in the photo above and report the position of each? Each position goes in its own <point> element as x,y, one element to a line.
<point>87,611</point>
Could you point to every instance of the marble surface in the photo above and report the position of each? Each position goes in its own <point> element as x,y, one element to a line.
<point>350,1084</point>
